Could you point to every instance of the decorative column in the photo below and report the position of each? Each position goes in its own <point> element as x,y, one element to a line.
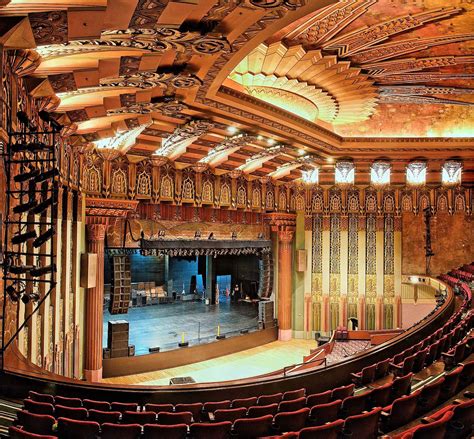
<point>379,272</point>
<point>284,226</point>
<point>94,306</point>
<point>397,318</point>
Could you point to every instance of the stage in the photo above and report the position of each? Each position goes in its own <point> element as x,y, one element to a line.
<point>162,325</point>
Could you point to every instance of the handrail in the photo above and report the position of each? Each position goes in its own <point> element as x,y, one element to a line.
<point>322,360</point>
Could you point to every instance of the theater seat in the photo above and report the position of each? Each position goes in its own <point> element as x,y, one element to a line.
<point>461,424</point>
<point>40,408</point>
<point>244,402</point>
<point>342,392</point>
<point>120,431</point>
<point>290,421</point>
<point>433,430</point>
<point>124,407</point>
<point>429,396</point>
<point>293,405</point>
<point>157,431</point>
<point>211,407</point>
<point>68,402</point>
<point>229,414</point>
<point>261,410</point>
<point>401,411</point>
<point>38,424</point>
<point>362,426</point>
<point>365,376</point>
<point>165,418</point>
<point>206,430</point>
<point>327,431</point>
<point>102,417</point>
<point>380,396</point>
<point>382,368</point>
<point>318,398</point>
<point>269,399</point>
<point>141,418</point>
<point>451,382</point>
<point>294,394</point>
<point>71,429</point>
<point>77,413</point>
<point>18,433</point>
<point>41,397</point>
<point>401,386</point>
<point>89,404</point>
<point>194,408</point>
<point>157,408</point>
<point>467,375</point>
<point>322,413</point>
<point>252,428</point>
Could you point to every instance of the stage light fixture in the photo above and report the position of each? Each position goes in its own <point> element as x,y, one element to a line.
<point>41,271</point>
<point>19,269</point>
<point>25,176</point>
<point>40,240</point>
<point>43,205</point>
<point>23,119</point>
<point>29,146</point>
<point>25,299</point>
<point>47,175</point>
<point>23,237</point>
<point>53,123</point>
<point>24,207</point>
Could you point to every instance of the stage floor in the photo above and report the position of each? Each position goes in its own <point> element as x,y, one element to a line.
<point>162,325</point>
<point>245,364</point>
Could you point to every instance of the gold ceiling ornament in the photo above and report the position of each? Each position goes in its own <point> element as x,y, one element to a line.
<point>307,83</point>
<point>121,142</point>
<point>147,79</point>
<point>23,61</point>
<point>228,146</point>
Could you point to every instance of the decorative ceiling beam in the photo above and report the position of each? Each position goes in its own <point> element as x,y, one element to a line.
<point>406,99</point>
<point>367,36</point>
<point>228,146</point>
<point>423,90</point>
<point>424,77</point>
<point>146,79</point>
<point>257,160</point>
<point>175,145</point>
<point>122,142</point>
<point>287,168</point>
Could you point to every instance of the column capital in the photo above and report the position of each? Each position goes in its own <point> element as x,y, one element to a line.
<point>280,220</point>
<point>96,232</point>
<point>286,235</point>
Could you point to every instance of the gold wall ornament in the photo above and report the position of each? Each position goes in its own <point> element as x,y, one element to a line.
<point>23,62</point>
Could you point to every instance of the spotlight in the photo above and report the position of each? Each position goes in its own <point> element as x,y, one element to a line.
<point>30,147</point>
<point>211,236</point>
<point>47,175</point>
<point>23,237</point>
<point>24,176</point>
<point>40,240</point>
<point>19,269</point>
<point>25,299</point>
<point>197,234</point>
<point>25,207</point>
<point>43,205</point>
<point>41,271</point>
<point>54,124</point>
<point>23,118</point>
<point>34,297</point>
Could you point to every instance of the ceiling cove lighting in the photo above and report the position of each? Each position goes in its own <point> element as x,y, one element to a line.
<point>380,173</point>
<point>344,172</point>
<point>416,173</point>
<point>451,173</point>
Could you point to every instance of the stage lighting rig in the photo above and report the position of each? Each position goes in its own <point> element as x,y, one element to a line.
<point>31,172</point>
<point>43,176</point>
<point>23,237</point>
<point>44,237</point>
<point>53,123</point>
<point>41,271</point>
<point>14,294</point>
<point>25,121</point>
<point>25,207</point>
<point>19,269</point>
<point>39,208</point>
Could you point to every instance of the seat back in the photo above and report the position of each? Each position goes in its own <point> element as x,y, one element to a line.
<point>327,431</point>
<point>261,410</point>
<point>157,408</point>
<point>294,394</point>
<point>216,430</point>
<point>462,420</point>
<point>41,397</point>
<point>342,392</point>
<point>363,426</point>
<point>353,405</point>
<point>194,408</point>
<point>318,398</point>
<point>322,413</point>
<point>403,410</point>
<point>245,428</point>
<point>77,413</point>
<point>269,399</point>
<point>382,368</point>
<point>429,396</point>
<point>102,417</point>
<point>34,423</point>
<point>71,429</point>
<point>408,363</point>
<point>291,421</point>
<point>68,402</point>
<point>103,406</point>
<point>122,431</point>
<point>166,418</point>
<point>433,430</point>
<point>244,402</point>
<point>229,414</point>
<point>420,359</point>
<point>18,433</point>
<point>293,405</point>
<point>124,407</point>
<point>154,431</point>
<point>451,381</point>
<point>467,374</point>
<point>401,386</point>
<point>212,406</point>
<point>141,418</point>
<point>368,374</point>
<point>40,408</point>
<point>380,396</point>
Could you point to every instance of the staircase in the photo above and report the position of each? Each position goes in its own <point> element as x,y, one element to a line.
<point>8,410</point>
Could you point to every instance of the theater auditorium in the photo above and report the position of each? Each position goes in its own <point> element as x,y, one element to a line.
<point>236,219</point>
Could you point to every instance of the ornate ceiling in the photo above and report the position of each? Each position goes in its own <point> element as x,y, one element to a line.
<point>259,87</point>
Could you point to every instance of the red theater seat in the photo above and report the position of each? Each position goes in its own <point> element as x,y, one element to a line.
<point>461,424</point>
<point>71,429</point>
<point>156,431</point>
<point>322,413</point>
<point>205,430</point>
<point>293,405</point>
<point>124,407</point>
<point>342,392</point>
<point>165,418</point>
<point>38,424</point>
<point>405,367</point>
<point>18,433</point>
<point>327,431</point>
<point>244,402</point>
<point>157,408</point>
<point>211,407</point>
<point>401,386</point>
<point>195,409</point>
<point>354,405</point>
<point>261,410</point>
<point>318,398</point>
<point>380,396</point>
<point>269,399</point>
<point>77,413</point>
<point>141,418</point>
<point>40,408</point>
<point>103,406</point>
<point>429,396</point>
<point>401,411</point>
<point>365,376</point>
<point>120,431</point>
<point>253,428</point>
<point>382,368</point>
<point>467,375</point>
<point>419,363</point>
<point>229,414</point>
<point>450,385</point>
<point>290,421</point>
<point>41,397</point>
<point>433,430</point>
<point>68,402</point>
<point>294,394</point>
<point>102,417</point>
<point>362,426</point>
